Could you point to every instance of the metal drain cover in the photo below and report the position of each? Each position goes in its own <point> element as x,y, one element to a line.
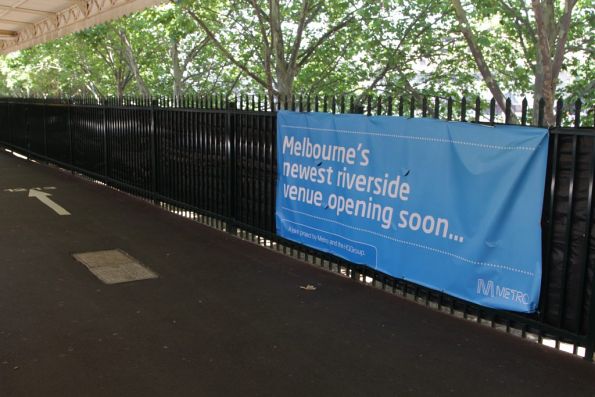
<point>114,266</point>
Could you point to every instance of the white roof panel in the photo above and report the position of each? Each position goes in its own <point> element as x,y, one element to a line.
<point>24,23</point>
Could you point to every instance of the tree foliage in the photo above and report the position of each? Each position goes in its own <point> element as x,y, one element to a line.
<point>535,48</point>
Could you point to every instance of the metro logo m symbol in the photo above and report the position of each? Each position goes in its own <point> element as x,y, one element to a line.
<point>484,288</point>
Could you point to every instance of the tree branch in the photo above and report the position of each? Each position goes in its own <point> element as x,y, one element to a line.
<point>562,37</point>
<point>520,20</point>
<point>222,48</point>
<point>132,64</point>
<point>193,53</point>
<point>483,67</point>
<point>235,83</point>
<point>303,22</point>
<point>522,26</point>
<point>305,56</point>
<point>267,47</point>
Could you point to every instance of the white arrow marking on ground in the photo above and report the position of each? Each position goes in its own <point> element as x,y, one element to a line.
<point>45,199</point>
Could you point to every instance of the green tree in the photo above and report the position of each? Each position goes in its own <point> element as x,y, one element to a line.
<point>360,47</point>
<point>528,44</point>
<point>272,42</point>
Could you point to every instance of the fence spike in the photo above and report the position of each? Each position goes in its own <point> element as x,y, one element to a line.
<point>541,112</point>
<point>508,111</point>
<point>524,106</point>
<point>492,110</point>
<point>577,113</point>
<point>477,109</point>
<point>389,105</point>
<point>401,105</point>
<point>559,107</point>
<point>463,108</point>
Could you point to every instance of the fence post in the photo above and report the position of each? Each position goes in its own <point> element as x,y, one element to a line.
<point>230,151</point>
<point>103,104</point>
<point>153,133</point>
<point>69,121</point>
<point>45,136</point>
<point>590,345</point>
<point>463,108</point>
<point>27,130</point>
<point>590,348</point>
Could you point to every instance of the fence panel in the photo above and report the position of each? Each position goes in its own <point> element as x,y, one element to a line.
<point>57,136</point>
<point>221,161</point>
<point>88,139</point>
<point>568,218</point>
<point>255,169</point>
<point>129,146</point>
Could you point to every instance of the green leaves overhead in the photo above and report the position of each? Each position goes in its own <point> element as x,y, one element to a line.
<point>325,47</point>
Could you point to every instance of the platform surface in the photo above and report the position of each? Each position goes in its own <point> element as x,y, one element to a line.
<point>224,317</point>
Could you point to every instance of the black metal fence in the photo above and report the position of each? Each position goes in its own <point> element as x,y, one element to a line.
<point>217,158</point>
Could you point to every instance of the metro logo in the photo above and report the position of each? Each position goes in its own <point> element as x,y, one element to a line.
<point>497,291</point>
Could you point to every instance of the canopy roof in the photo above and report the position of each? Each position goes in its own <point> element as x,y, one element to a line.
<point>24,23</point>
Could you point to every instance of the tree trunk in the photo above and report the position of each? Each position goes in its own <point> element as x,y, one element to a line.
<point>544,18</point>
<point>133,65</point>
<point>120,89</point>
<point>285,80</point>
<point>551,47</point>
<point>537,88</point>
<point>277,55</point>
<point>176,68</point>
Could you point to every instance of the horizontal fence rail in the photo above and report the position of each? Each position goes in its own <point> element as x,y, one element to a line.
<point>216,157</point>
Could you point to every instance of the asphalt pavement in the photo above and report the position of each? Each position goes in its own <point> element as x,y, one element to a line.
<point>224,317</point>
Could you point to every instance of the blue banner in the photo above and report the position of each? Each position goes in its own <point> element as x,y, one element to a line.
<point>449,205</point>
